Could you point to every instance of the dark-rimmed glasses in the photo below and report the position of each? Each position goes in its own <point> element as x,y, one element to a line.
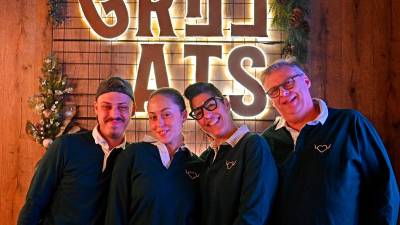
<point>286,84</point>
<point>209,105</point>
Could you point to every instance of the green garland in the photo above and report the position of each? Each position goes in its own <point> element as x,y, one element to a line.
<point>58,11</point>
<point>55,116</point>
<point>289,16</point>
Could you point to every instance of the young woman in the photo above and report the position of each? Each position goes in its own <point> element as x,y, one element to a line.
<point>154,181</point>
<point>239,178</point>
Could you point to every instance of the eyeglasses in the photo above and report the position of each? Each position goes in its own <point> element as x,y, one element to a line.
<point>209,105</point>
<point>287,85</point>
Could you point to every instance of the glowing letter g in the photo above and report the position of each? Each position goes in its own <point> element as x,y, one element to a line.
<point>98,25</point>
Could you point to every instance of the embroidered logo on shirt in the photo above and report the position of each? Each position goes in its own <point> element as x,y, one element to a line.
<point>193,175</point>
<point>322,148</point>
<point>230,164</point>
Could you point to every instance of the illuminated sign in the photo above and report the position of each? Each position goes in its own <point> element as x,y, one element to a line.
<point>203,34</point>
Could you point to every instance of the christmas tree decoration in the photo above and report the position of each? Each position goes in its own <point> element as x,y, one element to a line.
<point>47,142</point>
<point>296,18</point>
<point>287,51</point>
<point>58,11</point>
<point>290,16</point>
<point>56,117</point>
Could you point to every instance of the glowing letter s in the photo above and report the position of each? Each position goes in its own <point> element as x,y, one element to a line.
<point>239,73</point>
<point>98,25</point>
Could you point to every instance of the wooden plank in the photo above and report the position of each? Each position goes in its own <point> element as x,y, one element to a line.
<point>392,113</point>
<point>25,39</point>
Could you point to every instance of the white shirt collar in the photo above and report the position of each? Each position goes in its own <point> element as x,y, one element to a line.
<point>162,149</point>
<point>234,138</point>
<point>321,118</point>
<point>98,139</point>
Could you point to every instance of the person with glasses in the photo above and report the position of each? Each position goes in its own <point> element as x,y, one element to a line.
<point>155,182</point>
<point>332,164</point>
<point>239,177</point>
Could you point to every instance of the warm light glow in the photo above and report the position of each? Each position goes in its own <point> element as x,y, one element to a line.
<point>152,80</point>
<point>218,67</point>
<point>191,68</point>
<point>110,20</point>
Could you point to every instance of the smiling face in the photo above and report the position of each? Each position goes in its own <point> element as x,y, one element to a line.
<point>113,111</point>
<point>294,104</point>
<point>218,122</point>
<point>166,120</point>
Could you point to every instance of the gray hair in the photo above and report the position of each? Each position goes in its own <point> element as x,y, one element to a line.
<point>279,64</point>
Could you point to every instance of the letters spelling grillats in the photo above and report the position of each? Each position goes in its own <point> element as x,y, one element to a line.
<point>153,54</point>
<point>162,10</point>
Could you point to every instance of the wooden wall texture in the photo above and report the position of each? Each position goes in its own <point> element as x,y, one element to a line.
<point>354,62</point>
<point>25,39</point>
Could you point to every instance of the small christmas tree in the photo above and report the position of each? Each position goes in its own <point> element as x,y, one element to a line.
<point>58,11</point>
<point>55,115</point>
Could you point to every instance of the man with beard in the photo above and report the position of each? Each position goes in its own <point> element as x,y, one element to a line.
<point>70,184</point>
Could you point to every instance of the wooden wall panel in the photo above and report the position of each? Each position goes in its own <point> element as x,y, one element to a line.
<point>25,39</point>
<point>392,97</point>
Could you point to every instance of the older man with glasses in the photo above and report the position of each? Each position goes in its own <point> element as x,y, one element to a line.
<point>239,178</point>
<point>332,164</point>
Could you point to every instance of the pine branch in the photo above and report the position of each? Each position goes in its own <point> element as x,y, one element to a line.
<point>289,16</point>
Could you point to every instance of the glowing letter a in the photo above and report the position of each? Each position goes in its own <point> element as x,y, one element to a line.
<point>98,25</point>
